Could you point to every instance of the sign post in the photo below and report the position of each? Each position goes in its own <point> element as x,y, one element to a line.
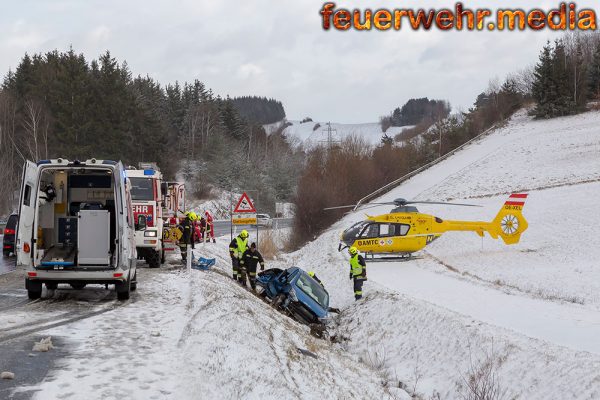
<point>244,213</point>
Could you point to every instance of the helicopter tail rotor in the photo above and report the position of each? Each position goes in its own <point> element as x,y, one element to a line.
<point>510,223</point>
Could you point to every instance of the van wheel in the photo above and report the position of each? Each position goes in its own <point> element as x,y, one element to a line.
<point>6,253</point>
<point>134,282</point>
<point>78,285</point>
<point>153,259</point>
<point>123,290</point>
<point>34,289</point>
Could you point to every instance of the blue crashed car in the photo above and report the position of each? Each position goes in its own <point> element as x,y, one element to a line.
<point>295,292</point>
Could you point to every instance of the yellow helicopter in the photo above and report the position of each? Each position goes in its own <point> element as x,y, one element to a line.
<point>405,230</point>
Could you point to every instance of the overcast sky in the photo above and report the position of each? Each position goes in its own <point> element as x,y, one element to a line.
<point>277,48</point>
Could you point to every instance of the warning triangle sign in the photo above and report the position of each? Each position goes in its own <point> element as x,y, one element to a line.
<point>244,205</point>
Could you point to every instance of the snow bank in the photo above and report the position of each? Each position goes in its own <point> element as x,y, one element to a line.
<point>186,335</point>
<point>535,303</point>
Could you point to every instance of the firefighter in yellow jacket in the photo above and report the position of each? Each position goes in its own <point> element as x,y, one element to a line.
<point>237,247</point>
<point>187,237</point>
<point>358,271</point>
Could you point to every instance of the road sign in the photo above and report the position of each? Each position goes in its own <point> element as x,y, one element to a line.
<point>243,219</point>
<point>245,205</point>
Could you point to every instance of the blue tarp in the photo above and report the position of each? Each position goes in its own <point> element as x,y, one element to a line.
<point>203,263</point>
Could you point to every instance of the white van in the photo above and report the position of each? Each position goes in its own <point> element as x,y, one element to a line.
<point>76,226</point>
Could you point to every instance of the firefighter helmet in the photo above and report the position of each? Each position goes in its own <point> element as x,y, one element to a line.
<point>244,234</point>
<point>352,250</point>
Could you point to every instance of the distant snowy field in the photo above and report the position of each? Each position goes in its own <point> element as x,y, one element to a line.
<point>536,304</point>
<point>307,135</point>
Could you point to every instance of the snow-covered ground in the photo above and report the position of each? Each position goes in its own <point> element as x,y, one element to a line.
<point>306,133</point>
<point>196,334</point>
<point>537,303</point>
<point>219,206</point>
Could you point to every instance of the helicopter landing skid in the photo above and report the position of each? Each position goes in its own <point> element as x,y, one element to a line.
<point>386,258</point>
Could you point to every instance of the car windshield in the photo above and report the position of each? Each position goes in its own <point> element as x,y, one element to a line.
<point>142,189</point>
<point>313,289</point>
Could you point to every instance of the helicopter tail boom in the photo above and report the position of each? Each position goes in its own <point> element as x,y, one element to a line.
<point>508,224</point>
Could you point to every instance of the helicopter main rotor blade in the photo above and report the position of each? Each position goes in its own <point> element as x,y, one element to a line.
<point>443,203</point>
<point>373,205</point>
<point>368,205</point>
<point>339,207</point>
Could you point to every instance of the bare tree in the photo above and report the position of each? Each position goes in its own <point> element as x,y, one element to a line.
<point>35,124</point>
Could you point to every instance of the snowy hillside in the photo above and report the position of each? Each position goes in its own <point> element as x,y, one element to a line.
<point>307,134</point>
<point>534,306</point>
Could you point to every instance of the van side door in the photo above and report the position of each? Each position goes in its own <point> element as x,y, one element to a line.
<point>126,229</point>
<point>27,208</point>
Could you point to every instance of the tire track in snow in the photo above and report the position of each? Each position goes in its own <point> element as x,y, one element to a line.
<point>41,326</point>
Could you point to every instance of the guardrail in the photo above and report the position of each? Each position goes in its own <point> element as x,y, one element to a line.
<point>393,184</point>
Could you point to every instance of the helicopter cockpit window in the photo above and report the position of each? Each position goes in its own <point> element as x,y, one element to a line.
<point>371,231</point>
<point>401,229</point>
<point>355,229</point>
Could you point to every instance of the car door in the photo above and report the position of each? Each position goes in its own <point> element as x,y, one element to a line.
<point>27,209</point>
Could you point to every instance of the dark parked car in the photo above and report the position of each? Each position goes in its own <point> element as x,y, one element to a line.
<point>297,293</point>
<point>8,244</point>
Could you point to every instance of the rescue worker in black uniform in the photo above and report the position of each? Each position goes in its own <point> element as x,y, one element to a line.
<point>250,259</point>
<point>358,271</point>
<point>237,248</point>
<point>187,234</point>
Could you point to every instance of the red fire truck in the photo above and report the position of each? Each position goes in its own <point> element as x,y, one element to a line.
<point>146,196</point>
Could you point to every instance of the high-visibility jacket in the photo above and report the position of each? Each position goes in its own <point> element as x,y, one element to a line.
<point>358,267</point>
<point>187,232</point>
<point>238,246</point>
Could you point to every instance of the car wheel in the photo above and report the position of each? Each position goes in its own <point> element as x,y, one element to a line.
<point>278,300</point>
<point>6,253</point>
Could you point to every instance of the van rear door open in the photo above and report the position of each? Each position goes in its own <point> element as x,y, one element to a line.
<point>27,206</point>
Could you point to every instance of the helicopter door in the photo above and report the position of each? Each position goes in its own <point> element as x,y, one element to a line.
<point>386,237</point>
<point>370,231</point>
<point>401,229</point>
